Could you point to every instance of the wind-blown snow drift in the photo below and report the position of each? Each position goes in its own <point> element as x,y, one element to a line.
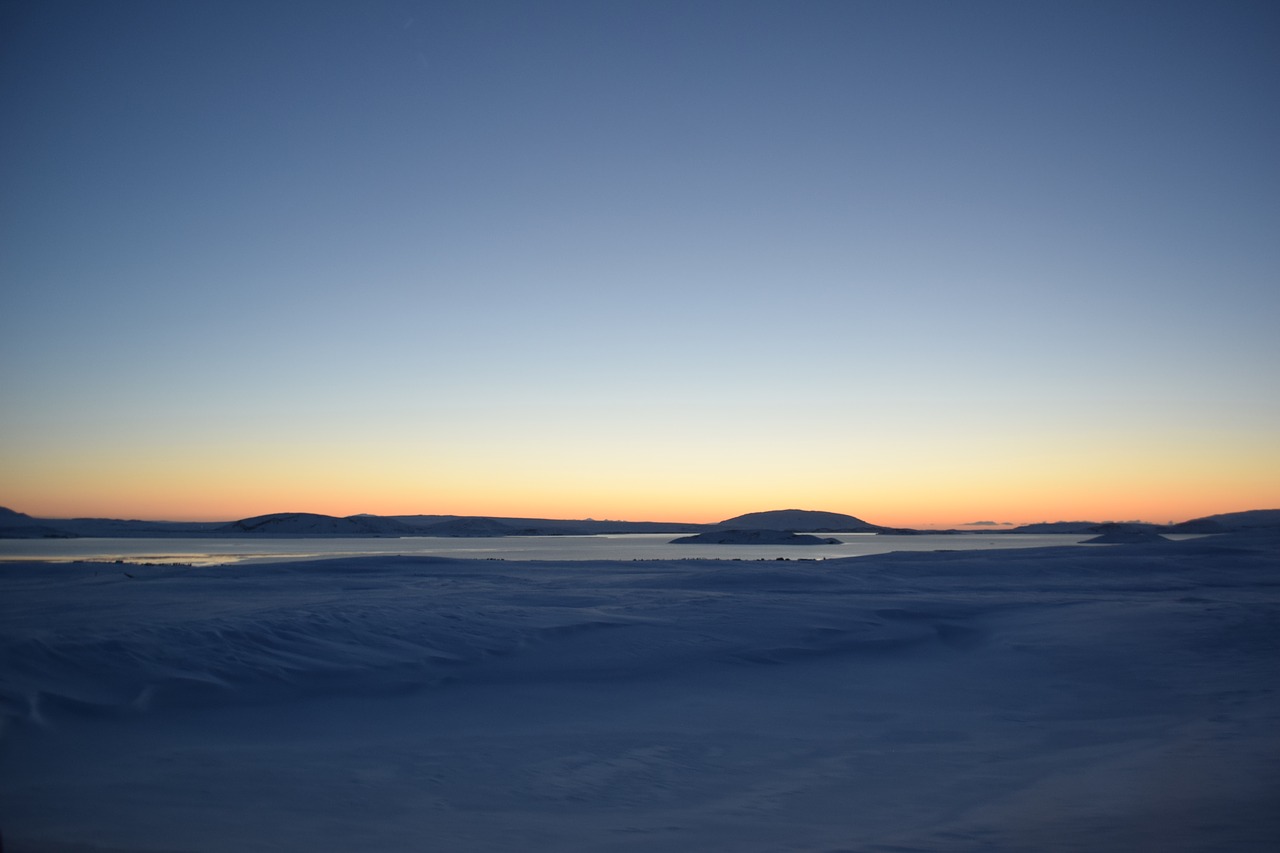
<point>1102,698</point>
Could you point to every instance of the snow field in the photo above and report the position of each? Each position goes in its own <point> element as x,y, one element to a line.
<point>1101,698</point>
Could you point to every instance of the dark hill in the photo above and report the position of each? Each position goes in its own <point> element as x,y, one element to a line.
<point>19,525</point>
<point>311,524</point>
<point>1229,522</point>
<point>9,516</point>
<point>799,520</point>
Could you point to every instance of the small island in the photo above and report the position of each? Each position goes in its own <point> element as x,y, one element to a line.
<point>753,537</point>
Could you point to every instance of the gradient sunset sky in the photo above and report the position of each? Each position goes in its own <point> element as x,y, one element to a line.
<point>920,262</point>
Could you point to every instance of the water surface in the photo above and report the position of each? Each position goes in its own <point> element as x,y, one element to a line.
<point>630,546</point>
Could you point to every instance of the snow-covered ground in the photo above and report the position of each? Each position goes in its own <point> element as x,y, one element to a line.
<point>1104,698</point>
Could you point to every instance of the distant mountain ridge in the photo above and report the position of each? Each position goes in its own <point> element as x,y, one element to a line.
<point>1227,522</point>
<point>364,524</point>
<point>1084,527</point>
<point>477,526</point>
<point>315,524</point>
<point>18,525</point>
<point>466,525</point>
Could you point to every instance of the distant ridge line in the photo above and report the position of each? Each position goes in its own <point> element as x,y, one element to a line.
<point>18,525</point>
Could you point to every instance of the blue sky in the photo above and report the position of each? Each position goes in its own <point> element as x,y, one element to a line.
<point>636,258</point>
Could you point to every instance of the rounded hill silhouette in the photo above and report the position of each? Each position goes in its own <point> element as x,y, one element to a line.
<point>799,521</point>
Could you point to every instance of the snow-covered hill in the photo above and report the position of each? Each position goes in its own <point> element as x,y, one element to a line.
<point>471,526</point>
<point>19,525</point>
<point>1231,521</point>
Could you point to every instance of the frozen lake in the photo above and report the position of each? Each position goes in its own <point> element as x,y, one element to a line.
<point>634,546</point>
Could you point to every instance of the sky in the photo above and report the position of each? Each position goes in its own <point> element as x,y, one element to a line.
<point>920,262</point>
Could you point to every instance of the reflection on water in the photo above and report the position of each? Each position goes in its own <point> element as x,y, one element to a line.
<point>632,546</point>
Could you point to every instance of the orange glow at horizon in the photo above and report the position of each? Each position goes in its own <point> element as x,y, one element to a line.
<point>1011,478</point>
<point>891,508</point>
